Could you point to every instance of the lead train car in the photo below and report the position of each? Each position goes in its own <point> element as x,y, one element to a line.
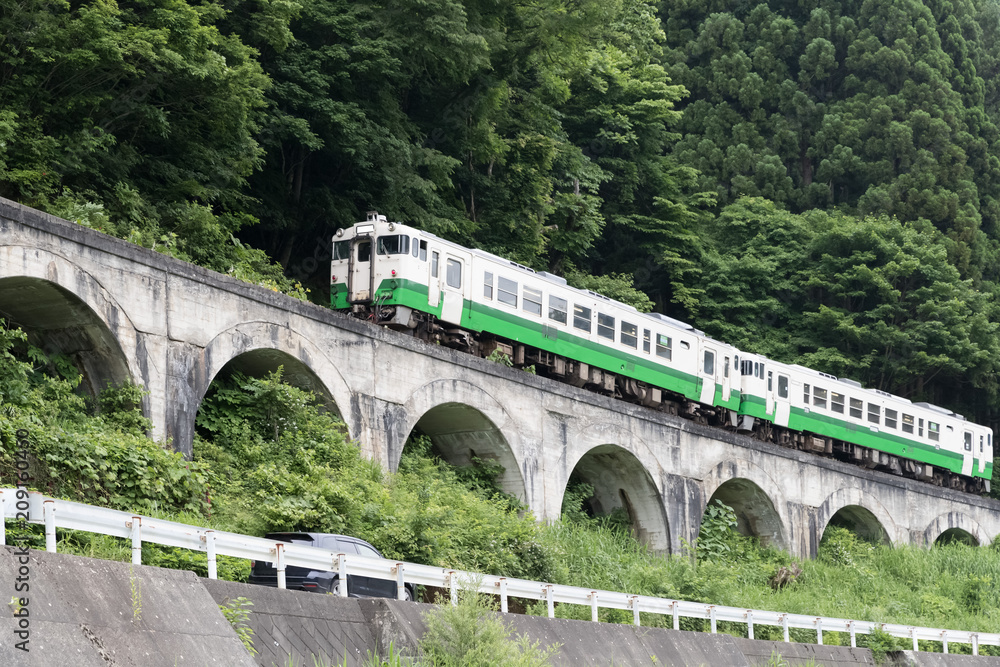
<point>413,280</point>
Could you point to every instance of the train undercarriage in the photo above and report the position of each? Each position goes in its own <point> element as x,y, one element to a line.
<point>428,328</point>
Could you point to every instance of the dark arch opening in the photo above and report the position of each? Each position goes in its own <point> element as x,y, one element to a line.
<point>461,434</point>
<point>622,483</point>
<point>59,323</point>
<point>755,513</point>
<point>259,363</point>
<point>861,522</point>
<point>956,536</point>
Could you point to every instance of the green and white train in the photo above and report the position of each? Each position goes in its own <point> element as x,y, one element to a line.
<point>469,299</point>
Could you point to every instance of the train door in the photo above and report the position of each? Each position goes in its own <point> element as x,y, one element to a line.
<point>782,400</point>
<point>967,453</point>
<point>726,378</point>
<point>361,274</point>
<point>769,402</point>
<point>709,364</point>
<point>434,280</point>
<point>454,272</point>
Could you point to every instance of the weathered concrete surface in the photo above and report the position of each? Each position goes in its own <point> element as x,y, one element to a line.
<point>82,613</point>
<point>295,628</point>
<point>587,643</point>
<point>125,311</point>
<point>913,659</point>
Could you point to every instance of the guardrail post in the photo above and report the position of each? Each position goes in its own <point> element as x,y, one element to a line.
<point>913,634</point>
<point>503,594</point>
<point>975,644</point>
<point>549,601</point>
<point>342,574</point>
<point>454,588</point>
<point>593,606</point>
<point>49,514</point>
<point>711,617</point>
<point>819,631</point>
<point>677,616</point>
<point>213,569</point>
<point>749,624</point>
<point>279,563</point>
<point>784,625</point>
<point>3,519</point>
<point>944,640</point>
<point>400,586</point>
<point>854,639</point>
<point>136,535</point>
<point>635,610</point>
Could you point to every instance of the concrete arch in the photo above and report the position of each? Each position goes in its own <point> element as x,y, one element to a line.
<point>958,526</point>
<point>864,511</point>
<point>759,502</point>
<point>463,421</point>
<point>624,473</point>
<point>50,293</point>
<point>273,343</point>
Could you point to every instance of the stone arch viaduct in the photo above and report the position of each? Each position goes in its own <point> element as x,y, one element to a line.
<point>125,312</point>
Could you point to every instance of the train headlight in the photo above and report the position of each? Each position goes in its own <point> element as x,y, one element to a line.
<point>340,231</point>
<point>392,227</point>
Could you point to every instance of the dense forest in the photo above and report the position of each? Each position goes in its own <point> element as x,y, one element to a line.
<point>816,180</point>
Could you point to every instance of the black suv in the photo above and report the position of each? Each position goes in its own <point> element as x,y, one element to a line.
<point>301,578</point>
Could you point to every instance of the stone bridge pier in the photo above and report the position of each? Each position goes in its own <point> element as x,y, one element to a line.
<point>124,312</point>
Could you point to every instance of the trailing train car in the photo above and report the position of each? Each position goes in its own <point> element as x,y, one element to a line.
<point>411,280</point>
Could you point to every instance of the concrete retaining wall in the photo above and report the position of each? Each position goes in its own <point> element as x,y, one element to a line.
<point>84,612</point>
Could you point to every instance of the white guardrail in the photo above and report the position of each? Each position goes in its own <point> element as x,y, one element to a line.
<point>33,507</point>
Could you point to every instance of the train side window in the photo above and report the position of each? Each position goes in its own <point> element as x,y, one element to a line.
<point>890,418</point>
<point>920,427</point>
<point>416,247</point>
<point>980,444</point>
<point>709,366</point>
<point>968,441</point>
<point>933,430</point>
<point>837,402</point>
<point>819,397</point>
<point>645,341</point>
<point>629,334</point>
<point>341,250</point>
<point>782,386</point>
<point>365,251</point>
<point>725,372</point>
<point>756,369</point>
<point>874,412</point>
<point>423,251</point>
<point>907,423</point>
<point>488,285</point>
<point>761,374</point>
<point>770,378</point>
<point>532,301</point>
<point>857,406</point>
<point>453,275</point>
<point>434,265</point>
<point>736,363</point>
<point>747,367</point>
<point>605,326</point>
<point>557,309</point>
<point>581,318</point>
<point>507,291</point>
<point>805,393</point>
<point>664,346</point>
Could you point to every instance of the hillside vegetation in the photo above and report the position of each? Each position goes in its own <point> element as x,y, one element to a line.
<point>268,457</point>
<point>816,180</point>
